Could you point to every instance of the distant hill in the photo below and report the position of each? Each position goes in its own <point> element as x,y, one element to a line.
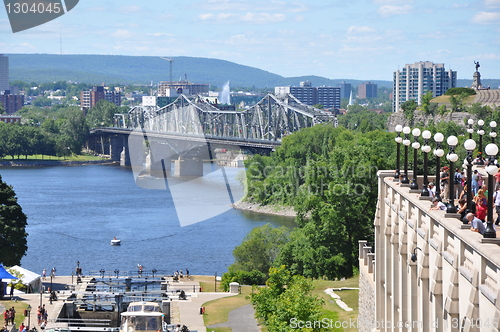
<point>493,83</point>
<point>110,69</point>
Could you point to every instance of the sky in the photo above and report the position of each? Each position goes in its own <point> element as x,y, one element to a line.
<point>347,39</point>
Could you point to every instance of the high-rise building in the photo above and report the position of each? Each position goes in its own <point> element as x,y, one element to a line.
<point>11,103</point>
<point>4,73</point>
<point>414,80</point>
<point>327,96</point>
<point>345,90</point>
<point>91,97</point>
<point>367,90</point>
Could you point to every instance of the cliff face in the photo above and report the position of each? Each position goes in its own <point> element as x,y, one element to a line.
<point>399,118</point>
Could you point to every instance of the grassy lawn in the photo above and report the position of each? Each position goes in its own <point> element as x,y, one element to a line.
<point>39,157</point>
<point>19,307</point>
<point>217,311</point>
<point>330,309</point>
<point>208,283</point>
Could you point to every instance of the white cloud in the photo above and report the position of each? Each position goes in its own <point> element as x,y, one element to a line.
<point>263,18</point>
<point>486,18</point>
<point>130,9</point>
<point>360,29</point>
<point>492,3</point>
<point>460,5</point>
<point>159,34</point>
<point>394,10</point>
<point>120,33</point>
<point>207,16</point>
<point>252,18</point>
<point>392,2</point>
<point>249,5</point>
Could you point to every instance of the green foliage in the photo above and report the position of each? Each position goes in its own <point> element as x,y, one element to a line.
<point>409,107</point>
<point>286,297</point>
<point>426,104</point>
<point>259,248</point>
<point>329,176</point>
<point>13,222</point>
<point>359,118</point>
<point>460,91</point>
<point>101,115</point>
<point>253,277</point>
<point>480,111</point>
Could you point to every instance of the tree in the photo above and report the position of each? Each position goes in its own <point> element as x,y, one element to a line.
<point>259,248</point>
<point>409,107</point>
<point>101,115</point>
<point>13,243</point>
<point>426,103</point>
<point>286,298</point>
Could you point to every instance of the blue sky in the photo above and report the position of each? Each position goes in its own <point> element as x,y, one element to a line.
<point>348,39</point>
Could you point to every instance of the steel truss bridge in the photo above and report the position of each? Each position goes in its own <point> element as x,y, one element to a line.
<point>270,119</point>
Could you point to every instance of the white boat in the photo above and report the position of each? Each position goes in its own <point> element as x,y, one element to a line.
<point>116,242</point>
<point>142,316</point>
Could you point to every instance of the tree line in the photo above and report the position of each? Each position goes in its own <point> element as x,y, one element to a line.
<point>54,132</point>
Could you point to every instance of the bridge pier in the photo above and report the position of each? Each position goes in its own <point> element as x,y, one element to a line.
<point>188,166</point>
<point>116,147</point>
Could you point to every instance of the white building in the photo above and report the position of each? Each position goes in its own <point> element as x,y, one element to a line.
<point>414,80</point>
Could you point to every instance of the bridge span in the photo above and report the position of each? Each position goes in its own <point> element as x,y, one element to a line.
<point>191,129</point>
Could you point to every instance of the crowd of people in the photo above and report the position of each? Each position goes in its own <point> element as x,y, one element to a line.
<point>479,192</point>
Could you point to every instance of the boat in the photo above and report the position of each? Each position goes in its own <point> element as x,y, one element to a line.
<point>116,242</point>
<point>142,316</point>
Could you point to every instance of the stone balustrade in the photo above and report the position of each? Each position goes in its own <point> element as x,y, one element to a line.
<point>453,282</point>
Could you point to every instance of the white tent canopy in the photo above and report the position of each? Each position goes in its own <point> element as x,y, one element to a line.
<point>32,280</point>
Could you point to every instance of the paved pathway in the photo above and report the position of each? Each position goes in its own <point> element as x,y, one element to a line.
<point>241,319</point>
<point>189,311</point>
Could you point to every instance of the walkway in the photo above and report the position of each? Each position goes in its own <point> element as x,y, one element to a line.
<point>241,319</point>
<point>187,312</point>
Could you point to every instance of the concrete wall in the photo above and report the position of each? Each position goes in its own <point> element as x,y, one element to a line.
<point>454,285</point>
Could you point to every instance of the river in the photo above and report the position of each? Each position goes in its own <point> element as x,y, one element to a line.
<point>73,213</point>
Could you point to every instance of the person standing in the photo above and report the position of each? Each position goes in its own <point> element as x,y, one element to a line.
<point>445,176</point>
<point>458,182</point>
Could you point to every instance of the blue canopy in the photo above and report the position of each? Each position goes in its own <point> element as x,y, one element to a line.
<point>4,274</point>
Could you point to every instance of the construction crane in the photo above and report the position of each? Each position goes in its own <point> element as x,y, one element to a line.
<point>169,60</point>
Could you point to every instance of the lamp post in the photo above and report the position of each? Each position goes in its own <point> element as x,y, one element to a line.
<point>406,142</point>
<point>493,133</point>
<point>491,150</point>
<point>416,145</point>
<point>480,132</point>
<point>398,140</point>
<point>452,158</point>
<point>438,152</point>
<point>426,148</point>
<point>469,146</point>
<point>470,130</point>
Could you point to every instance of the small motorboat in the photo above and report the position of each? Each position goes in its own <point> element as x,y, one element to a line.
<point>116,242</point>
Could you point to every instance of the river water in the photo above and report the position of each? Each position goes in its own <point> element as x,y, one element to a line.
<point>74,212</point>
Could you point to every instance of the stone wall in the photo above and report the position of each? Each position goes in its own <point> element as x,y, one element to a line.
<point>366,301</point>
<point>399,118</point>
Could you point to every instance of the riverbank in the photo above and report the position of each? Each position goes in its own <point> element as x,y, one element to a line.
<point>39,163</point>
<point>276,210</point>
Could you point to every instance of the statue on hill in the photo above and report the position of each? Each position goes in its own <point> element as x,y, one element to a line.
<point>477,65</point>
